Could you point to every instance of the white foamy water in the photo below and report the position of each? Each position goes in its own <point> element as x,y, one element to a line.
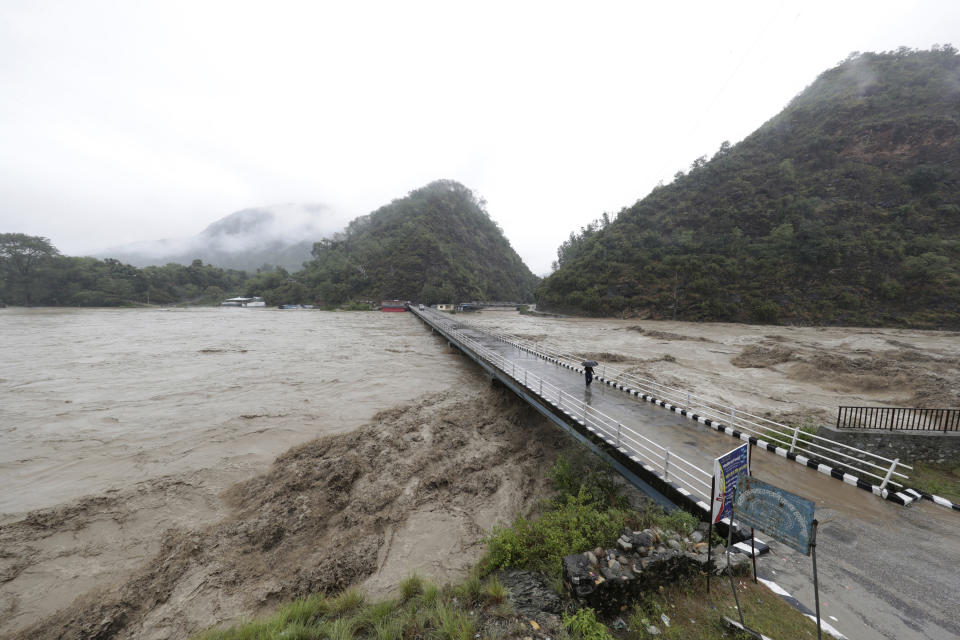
<point>92,400</point>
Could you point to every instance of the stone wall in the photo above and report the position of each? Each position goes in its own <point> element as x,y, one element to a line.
<point>909,446</point>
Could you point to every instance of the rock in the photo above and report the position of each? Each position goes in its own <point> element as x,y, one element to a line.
<point>674,544</point>
<point>598,552</point>
<point>625,544</point>
<point>531,594</point>
<point>591,558</point>
<point>642,538</point>
<point>653,630</point>
<point>613,564</point>
<point>701,547</point>
<point>696,536</point>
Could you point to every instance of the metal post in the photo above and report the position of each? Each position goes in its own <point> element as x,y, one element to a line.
<point>559,399</point>
<point>666,464</point>
<point>793,444</point>
<point>603,371</point>
<point>541,387</point>
<point>889,473</point>
<point>730,568</point>
<point>816,584</point>
<point>524,377</point>
<point>618,435</point>
<point>688,401</point>
<point>733,417</point>
<point>584,413</point>
<point>713,496</point>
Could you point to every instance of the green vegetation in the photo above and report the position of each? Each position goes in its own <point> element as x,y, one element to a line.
<point>941,479</point>
<point>436,245</point>
<point>587,512</point>
<point>583,624</point>
<point>695,614</point>
<point>33,272</point>
<point>840,210</point>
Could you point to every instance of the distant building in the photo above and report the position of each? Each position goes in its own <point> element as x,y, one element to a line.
<point>445,307</point>
<point>393,305</point>
<point>469,306</point>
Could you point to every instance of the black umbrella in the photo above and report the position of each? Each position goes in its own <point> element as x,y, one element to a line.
<point>589,363</point>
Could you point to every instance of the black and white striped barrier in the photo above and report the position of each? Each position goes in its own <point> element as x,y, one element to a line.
<point>904,497</point>
<point>799,606</point>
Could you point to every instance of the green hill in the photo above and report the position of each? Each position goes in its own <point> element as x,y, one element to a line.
<point>842,209</point>
<point>436,245</point>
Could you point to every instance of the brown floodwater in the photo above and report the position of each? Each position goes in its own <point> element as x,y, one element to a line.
<point>99,399</point>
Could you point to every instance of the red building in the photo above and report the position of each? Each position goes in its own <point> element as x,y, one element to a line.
<point>393,305</point>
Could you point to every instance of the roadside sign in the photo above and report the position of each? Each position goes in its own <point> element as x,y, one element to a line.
<point>780,514</point>
<point>726,471</point>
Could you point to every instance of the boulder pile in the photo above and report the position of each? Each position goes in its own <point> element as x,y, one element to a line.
<point>608,579</point>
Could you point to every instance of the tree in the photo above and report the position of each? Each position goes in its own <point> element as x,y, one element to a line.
<point>20,256</point>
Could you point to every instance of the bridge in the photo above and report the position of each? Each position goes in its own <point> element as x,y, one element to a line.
<point>664,440</point>
<point>624,417</point>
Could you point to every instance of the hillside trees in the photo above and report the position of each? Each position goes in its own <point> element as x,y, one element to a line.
<point>438,244</point>
<point>844,208</point>
<point>35,273</point>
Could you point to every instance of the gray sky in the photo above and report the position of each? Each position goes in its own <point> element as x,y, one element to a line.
<point>124,121</point>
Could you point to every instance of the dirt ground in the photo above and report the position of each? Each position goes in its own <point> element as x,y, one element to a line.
<point>416,488</point>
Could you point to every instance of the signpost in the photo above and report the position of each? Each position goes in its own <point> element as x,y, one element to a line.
<point>727,470</point>
<point>781,515</point>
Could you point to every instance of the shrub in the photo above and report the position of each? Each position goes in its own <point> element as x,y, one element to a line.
<point>583,625</point>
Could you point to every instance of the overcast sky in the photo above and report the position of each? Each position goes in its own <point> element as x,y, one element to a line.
<point>125,121</point>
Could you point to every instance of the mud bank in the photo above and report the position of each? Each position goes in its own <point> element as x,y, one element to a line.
<point>414,489</point>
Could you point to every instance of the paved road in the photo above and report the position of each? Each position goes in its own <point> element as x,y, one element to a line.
<point>886,571</point>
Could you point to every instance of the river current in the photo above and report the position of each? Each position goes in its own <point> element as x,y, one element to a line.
<point>99,399</point>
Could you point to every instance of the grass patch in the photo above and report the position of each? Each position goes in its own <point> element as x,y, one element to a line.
<point>695,615</point>
<point>583,625</point>
<point>588,511</point>
<point>941,479</point>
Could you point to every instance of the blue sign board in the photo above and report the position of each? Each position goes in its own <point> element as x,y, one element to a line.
<point>726,470</point>
<point>780,514</point>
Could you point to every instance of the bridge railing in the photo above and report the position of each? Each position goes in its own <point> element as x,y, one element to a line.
<point>898,418</point>
<point>793,439</point>
<point>673,467</point>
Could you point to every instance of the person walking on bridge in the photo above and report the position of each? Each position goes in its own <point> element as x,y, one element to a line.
<point>588,366</point>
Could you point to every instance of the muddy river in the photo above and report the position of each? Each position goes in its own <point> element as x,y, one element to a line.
<point>100,399</point>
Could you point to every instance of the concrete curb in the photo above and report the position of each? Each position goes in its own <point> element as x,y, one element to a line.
<point>799,606</point>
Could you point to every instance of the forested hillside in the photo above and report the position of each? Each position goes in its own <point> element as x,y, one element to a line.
<point>33,272</point>
<point>842,209</point>
<point>435,245</point>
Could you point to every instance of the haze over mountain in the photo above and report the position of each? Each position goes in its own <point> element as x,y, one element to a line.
<point>844,208</point>
<point>275,235</point>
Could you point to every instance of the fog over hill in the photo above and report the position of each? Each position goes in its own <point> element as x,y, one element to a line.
<point>277,235</point>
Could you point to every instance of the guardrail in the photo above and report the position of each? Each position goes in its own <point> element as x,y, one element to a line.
<point>898,418</point>
<point>792,439</point>
<point>641,449</point>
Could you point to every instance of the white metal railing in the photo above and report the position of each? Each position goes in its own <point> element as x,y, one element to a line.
<point>670,465</point>
<point>792,439</point>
